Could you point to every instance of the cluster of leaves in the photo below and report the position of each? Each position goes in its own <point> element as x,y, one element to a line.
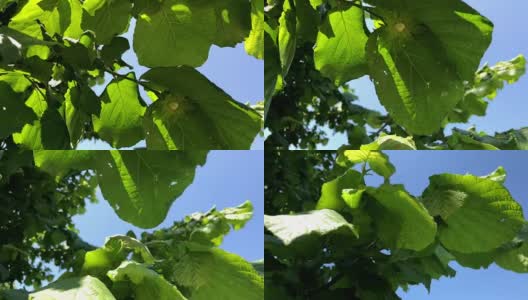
<point>423,59</point>
<point>36,219</point>
<point>365,242</point>
<point>181,262</point>
<point>52,54</point>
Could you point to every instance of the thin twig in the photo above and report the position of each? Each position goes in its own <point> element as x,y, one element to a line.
<point>115,74</point>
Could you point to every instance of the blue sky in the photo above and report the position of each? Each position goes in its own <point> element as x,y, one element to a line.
<point>508,110</point>
<point>232,69</point>
<point>227,179</point>
<point>413,170</point>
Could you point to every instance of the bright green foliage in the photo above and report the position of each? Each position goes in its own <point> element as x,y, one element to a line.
<point>212,273</point>
<point>195,114</point>
<point>479,214</point>
<point>340,45</point>
<point>390,142</point>
<point>139,185</point>
<point>287,36</point>
<point>119,122</point>
<point>291,228</point>
<point>401,221</point>
<point>400,239</point>
<point>58,17</point>
<point>422,57</point>
<point>89,288</point>
<point>377,161</point>
<point>332,195</point>
<point>255,41</point>
<point>63,49</point>
<point>179,262</point>
<point>147,283</point>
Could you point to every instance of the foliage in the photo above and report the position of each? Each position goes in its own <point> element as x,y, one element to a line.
<point>54,53</point>
<point>180,262</point>
<point>36,218</point>
<point>42,190</point>
<point>347,240</point>
<point>424,70</point>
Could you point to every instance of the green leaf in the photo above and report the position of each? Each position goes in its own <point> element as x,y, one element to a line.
<point>17,80</point>
<point>212,273</point>
<point>122,242</point>
<point>120,121</point>
<point>88,288</point>
<point>401,221</point>
<point>142,185</point>
<point>107,18</point>
<point>59,163</point>
<point>332,191</point>
<point>340,48</point>
<point>254,43</point>
<point>459,140</point>
<point>238,216</point>
<point>179,33</point>
<point>415,97</point>
<point>478,214</point>
<point>391,142</point>
<point>353,197</point>
<point>58,17</point>
<point>499,175</point>
<point>290,228</point>
<point>287,38</point>
<point>210,228</point>
<point>233,22</point>
<point>196,114</point>
<point>14,114</point>
<point>54,131</point>
<point>419,65</point>
<point>272,69</point>
<point>147,283</point>
<point>515,259</point>
<point>378,161</point>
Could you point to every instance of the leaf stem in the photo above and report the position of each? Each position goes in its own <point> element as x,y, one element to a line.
<point>146,87</point>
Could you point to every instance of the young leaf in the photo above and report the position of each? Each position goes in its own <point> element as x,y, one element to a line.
<point>289,228</point>
<point>340,48</point>
<point>120,121</point>
<point>332,191</point>
<point>482,215</point>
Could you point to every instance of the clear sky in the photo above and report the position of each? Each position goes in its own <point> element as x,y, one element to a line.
<point>508,110</point>
<point>227,179</point>
<point>413,169</point>
<point>232,69</point>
